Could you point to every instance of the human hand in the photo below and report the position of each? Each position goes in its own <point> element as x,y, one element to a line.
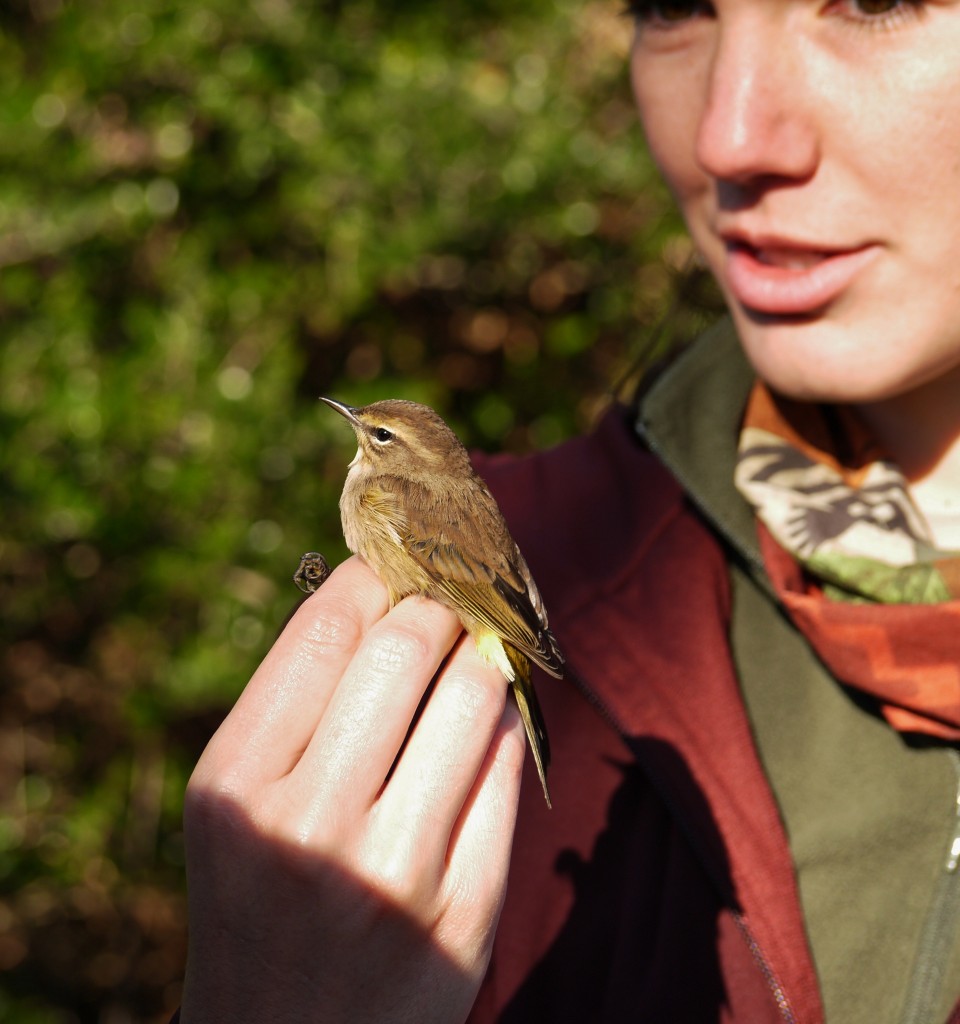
<point>319,891</point>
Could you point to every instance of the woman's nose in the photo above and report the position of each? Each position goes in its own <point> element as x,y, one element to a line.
<point>758,122</point>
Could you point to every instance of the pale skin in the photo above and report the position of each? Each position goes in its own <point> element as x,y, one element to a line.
<point>786,128</point>
<point>814,149</point>
<point>318,891</point>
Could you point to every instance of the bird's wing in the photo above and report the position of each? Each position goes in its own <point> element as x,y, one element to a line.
<point>476,566</point>
<point>510,615</point>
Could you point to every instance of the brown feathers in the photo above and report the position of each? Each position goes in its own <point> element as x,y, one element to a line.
<point>416,512</point>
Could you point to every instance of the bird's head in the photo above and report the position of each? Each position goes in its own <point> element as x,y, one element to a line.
<point>402,438</point>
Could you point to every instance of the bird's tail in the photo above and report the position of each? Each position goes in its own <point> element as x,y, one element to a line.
<point>530,712</point>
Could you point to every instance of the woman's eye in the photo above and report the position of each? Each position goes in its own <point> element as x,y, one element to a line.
<point>665,12</point>
<point>882,13</point>
<point>882,8</point>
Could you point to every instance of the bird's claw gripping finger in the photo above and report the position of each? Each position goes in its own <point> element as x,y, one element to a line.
<point>312,572</point>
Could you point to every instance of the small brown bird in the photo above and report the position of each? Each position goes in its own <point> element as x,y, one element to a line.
<point>415,511</point>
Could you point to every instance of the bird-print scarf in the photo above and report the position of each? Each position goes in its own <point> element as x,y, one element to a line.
<point>852,559</point>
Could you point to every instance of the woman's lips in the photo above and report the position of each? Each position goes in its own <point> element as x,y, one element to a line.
<point>787,280</point>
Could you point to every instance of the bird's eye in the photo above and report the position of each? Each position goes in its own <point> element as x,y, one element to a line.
<point>383,435</point>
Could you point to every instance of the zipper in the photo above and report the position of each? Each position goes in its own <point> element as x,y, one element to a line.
<point>939,932</point>
<point>776,990</point>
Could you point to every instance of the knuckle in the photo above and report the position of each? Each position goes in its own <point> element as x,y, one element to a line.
<point>479,683</point>
<point>392,874</point>
<point>398,648</point>
<point>332,629</point>
<point>473,696</point>
<point>214,804</point>
<point>335,618</point>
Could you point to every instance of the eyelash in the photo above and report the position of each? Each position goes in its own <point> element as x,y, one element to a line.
<point>650,13</point>
<point>897,15</point>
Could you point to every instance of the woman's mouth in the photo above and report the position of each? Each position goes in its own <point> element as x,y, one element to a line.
<point>781,279</point>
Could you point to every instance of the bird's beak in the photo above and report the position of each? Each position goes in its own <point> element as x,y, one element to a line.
<point>346,411</point>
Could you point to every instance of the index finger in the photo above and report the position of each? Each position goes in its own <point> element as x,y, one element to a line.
<point>274,718</point>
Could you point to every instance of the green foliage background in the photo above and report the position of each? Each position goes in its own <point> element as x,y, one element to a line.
<point>210,213</point>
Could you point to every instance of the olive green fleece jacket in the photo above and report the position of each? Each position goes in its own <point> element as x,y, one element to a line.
<point>871,816</point>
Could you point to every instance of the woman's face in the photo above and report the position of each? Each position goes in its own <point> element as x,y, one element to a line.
<point>814,149</point>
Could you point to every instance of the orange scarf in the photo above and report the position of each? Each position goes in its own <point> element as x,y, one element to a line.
<point>852,559</point>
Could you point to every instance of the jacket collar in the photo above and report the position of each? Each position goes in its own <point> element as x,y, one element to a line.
<point>689,418</point>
